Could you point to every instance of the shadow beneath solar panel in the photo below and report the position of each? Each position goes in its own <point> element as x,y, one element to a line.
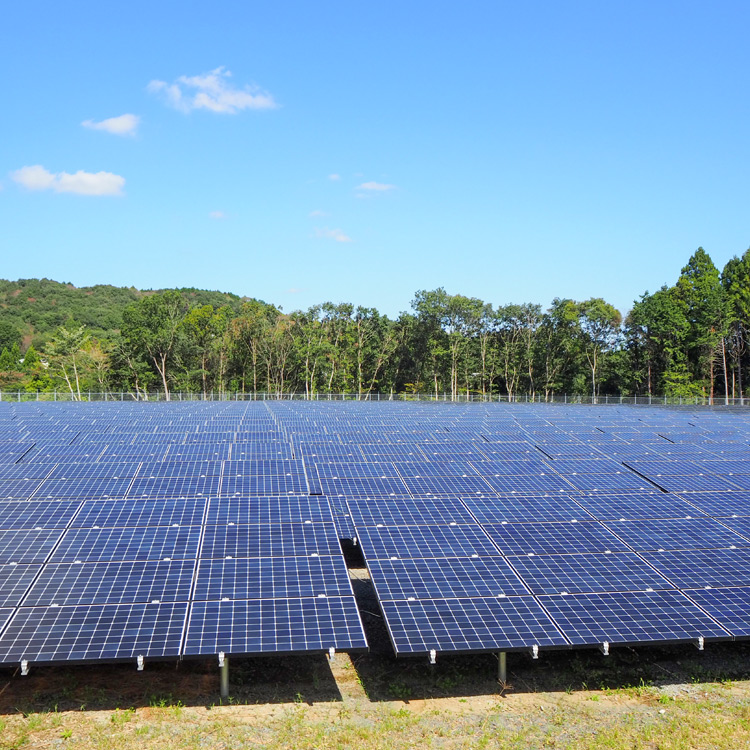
<point>261,680</point>
<point>674,668</point>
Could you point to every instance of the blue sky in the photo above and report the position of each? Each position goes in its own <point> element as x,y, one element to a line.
<point>301,152</point>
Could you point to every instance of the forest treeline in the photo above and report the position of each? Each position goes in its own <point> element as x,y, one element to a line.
<point>689,339</point>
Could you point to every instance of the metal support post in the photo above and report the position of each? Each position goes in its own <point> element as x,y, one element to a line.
<point>224,674</point>
<point>502,667</point>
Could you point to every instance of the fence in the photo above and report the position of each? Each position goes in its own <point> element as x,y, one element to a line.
<point>22,396</point>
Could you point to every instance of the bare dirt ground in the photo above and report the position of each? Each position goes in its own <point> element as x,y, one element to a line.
<point>649,697</point>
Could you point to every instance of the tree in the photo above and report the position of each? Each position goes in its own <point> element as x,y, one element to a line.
<point>735,279</point>
<point>599,327</point>
<point>65,351</point>
<point>705,306</point>
<point>153,326</point>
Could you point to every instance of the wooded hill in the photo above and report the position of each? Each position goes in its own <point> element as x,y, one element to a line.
<point>682,340</point>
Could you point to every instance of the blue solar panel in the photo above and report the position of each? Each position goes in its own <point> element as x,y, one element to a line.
<point>274,626</point>
<point>54,634</point>
<point>148,543</point>
<point>554,538</point>
<point>676,533</point>
<point>414,542</point>
<point>531,509</point>
<point>469,625</point>
<point>630,617</point>
<point>693,569</point>
<point>112,583</point>
<point>399,511</point>
<point>272,578</point>
<point>730,607</point>
<point>15,581</point>
<point>444,578</point>
<point>27,546</point>
<point>282,509</point>
<point>113,513</point>
<point>48,514</point>
<point>271,540</point>
<point>587,573</point>
<point>627,506</point>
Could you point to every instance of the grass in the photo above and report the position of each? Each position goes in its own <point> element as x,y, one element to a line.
<point>670,699</point>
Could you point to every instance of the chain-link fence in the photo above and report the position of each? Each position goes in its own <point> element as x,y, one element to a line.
<point>22,396</point>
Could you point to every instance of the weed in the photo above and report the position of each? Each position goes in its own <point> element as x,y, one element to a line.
<point>120,717</point>
<point>400,690</point>
<point>66,734</point>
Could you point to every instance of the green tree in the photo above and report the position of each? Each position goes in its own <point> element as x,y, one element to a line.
<point>66,351</point>
<point>599,327</point>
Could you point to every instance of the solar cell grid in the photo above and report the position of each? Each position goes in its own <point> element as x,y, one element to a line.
<point>529,509</point>
<point>274,626</point>
<point>415,542</point>
<point>699,568</point>
<point>262,510</point>
<point>630,617</point>
<point>112,583</point>
<point>71,634</point>
<point>400,511</point>
<point>15,581</point>
<point>730,607</point>
<point>632,506</point>
<point>464,624</point>
<point>445,578</point>
<point>128,543</point>
<point>114,513</point>
<point>587,573</point>
<point>270,540</point>
<point>553,538</point>
<point>271,578</point>
<point>680,533</point>
<point>27,546</point>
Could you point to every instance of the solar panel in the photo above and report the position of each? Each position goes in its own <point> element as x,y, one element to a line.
<point>270,540</point>
<point>113,513</point>
<point>399,511</point>
<point>676,533</point>
<point>31,514</point>
<point>112,583</point>
<point>587,573</point>
<point>27,546</point>
<point>630,617</point>
<point>415,542</point>
<point>274,626</point>
<point>272,578</point>
<point>444,578</point>
<point>15,581</point>
<point>693,569</point>
<point>108,632</point>
<point>531,509</point>
<point>730,607</point>
<point>553,538</point>
<point>469,624</point>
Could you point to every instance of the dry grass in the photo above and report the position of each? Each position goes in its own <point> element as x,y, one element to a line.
<point>672,699</point>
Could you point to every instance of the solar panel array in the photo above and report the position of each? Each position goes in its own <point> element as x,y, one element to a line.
<point>176,530</point>
<point>162,532</point>
<point>502,527</point>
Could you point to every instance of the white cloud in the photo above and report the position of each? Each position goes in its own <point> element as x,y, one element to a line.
<point>122,125</point>
<point>376,186</point>
<point>81,183</point>
<point>335,177</point>
<point>293,290</point>
<point>217,215</point>
<point>211,91</point>
<point>316,213</point>
<point>332,234</point>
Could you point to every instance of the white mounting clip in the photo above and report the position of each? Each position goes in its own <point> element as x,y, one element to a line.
<point>331,653</point>
<point>221,659</point>
<point>24,667</point>
<point>535,652</point>
<point>605,648</point>
<point>701,643</point>
<point>139,662</point>
<point>354,541</point>
<point>433,656</point>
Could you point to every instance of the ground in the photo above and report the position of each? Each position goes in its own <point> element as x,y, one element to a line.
<point>649,697</point>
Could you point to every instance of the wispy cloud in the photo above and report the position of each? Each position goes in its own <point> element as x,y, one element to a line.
<point>317,213</point>
<point>335,177</point>
<point>293,290</point>
<point>123,125</point>
<point>217,215</point>
<point>332,234</point>
<point>211,91</point>
<point>81,183</point>
<point>379,187</point>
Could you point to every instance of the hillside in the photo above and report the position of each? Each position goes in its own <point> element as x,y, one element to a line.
<point>35,308</point>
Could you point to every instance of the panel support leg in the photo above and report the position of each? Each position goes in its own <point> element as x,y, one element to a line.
<point>502,667</point>
<point>224,675</point>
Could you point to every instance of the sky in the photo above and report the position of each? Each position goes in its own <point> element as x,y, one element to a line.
<point>303,152</point>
